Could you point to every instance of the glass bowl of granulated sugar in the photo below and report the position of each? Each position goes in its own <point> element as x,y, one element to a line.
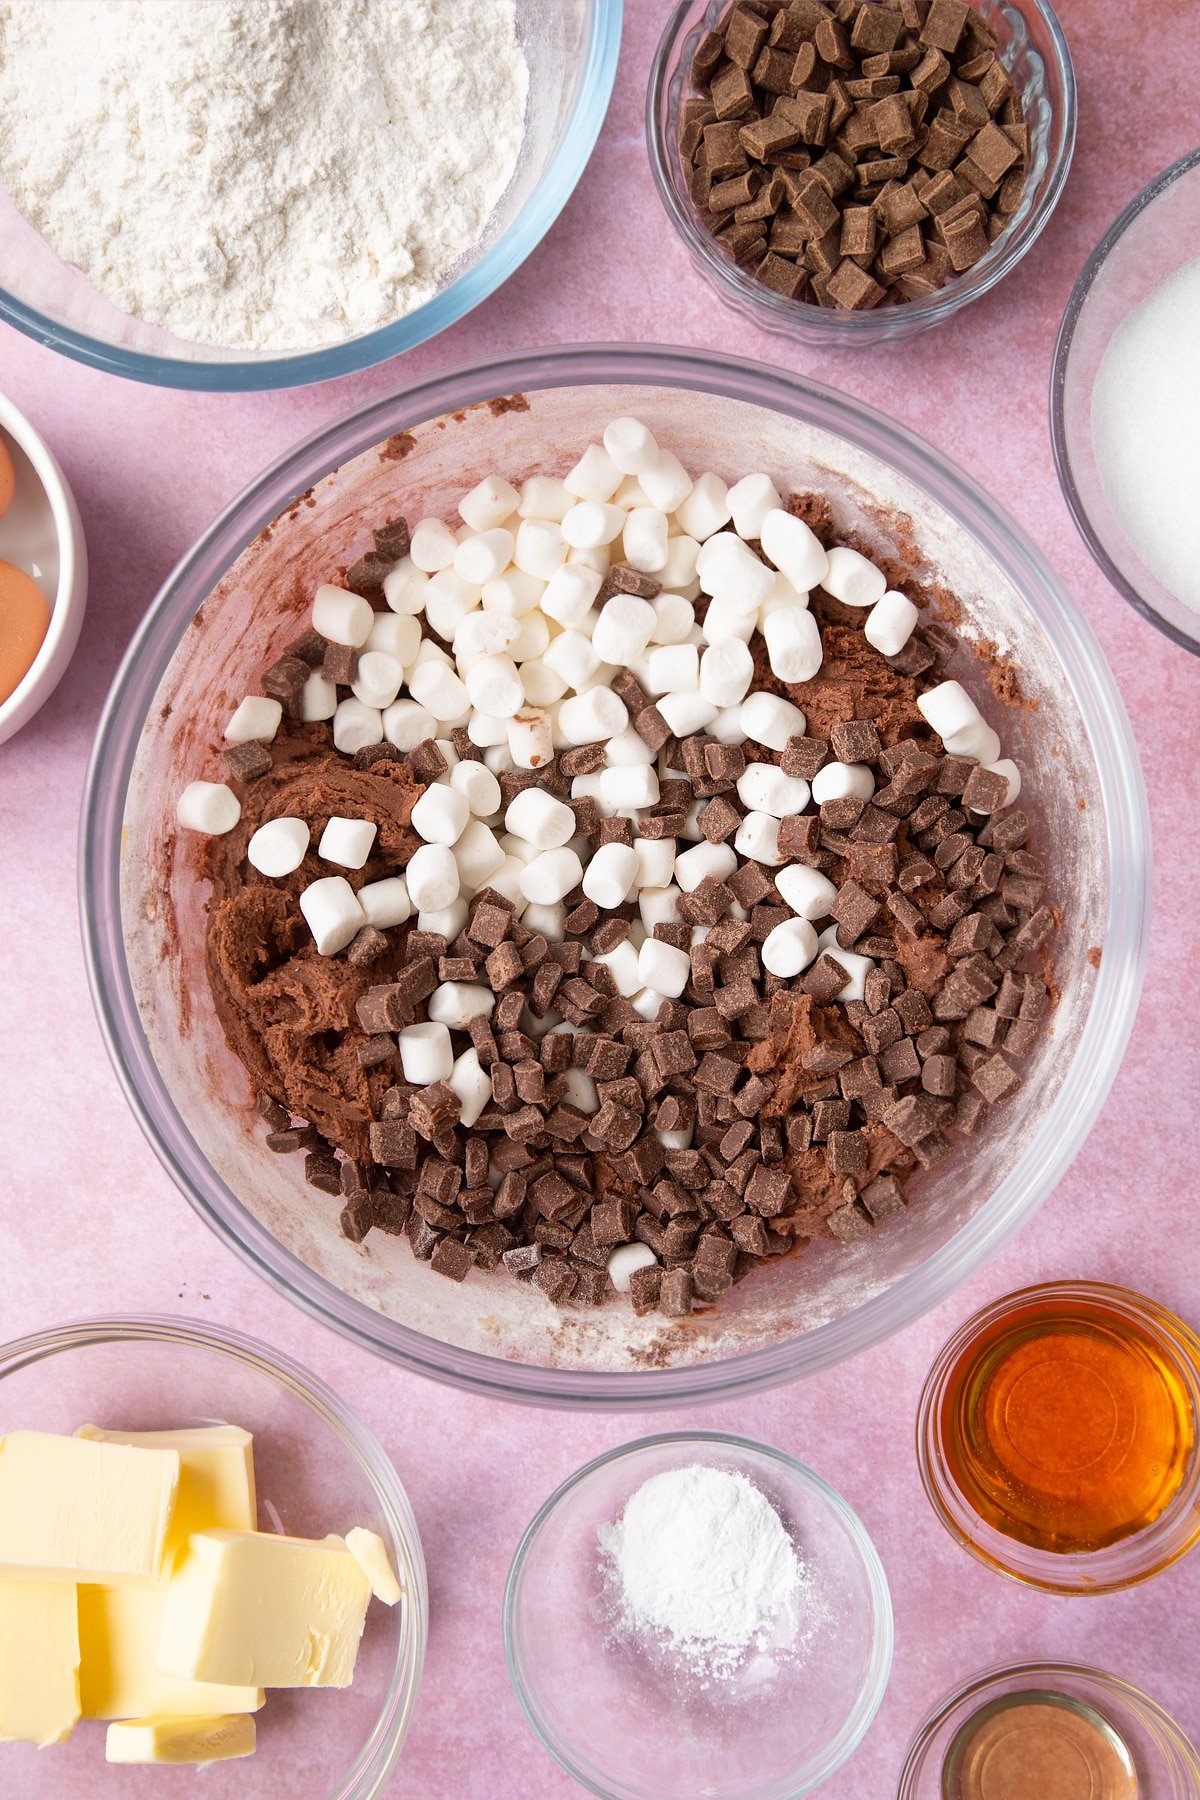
<point>698,1614</point>
<point>311,189</point>
<point>1123,412</point>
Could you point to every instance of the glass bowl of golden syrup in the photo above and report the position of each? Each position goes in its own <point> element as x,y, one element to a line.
<point>1049,1731</point>
<point>1057,1437</point>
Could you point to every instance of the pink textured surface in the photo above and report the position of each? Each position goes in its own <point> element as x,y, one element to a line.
<point>90,1221</point>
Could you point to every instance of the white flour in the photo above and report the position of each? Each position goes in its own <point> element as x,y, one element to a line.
<point>705,1566</point>
<point>271,174</point>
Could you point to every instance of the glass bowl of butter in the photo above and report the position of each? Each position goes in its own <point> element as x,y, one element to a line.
<point>204,1557</point>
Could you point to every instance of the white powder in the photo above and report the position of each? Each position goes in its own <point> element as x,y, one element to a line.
<point>705,1566</point>
<point>1146,430</point>
<point>271,174</point>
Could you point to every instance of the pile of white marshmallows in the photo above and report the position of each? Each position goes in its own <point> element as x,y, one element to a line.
<point>514,591</point>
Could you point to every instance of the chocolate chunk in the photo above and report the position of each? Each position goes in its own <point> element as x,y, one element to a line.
<point>996,1079</point>
<point>392,539</point>
<point>855,741</point>
<point>246,762</point>
<point>452,1259</point>
<point>366,947</point>
<point>284,681</point>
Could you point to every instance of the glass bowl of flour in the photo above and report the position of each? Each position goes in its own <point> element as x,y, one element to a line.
<point>696,1614</point>
<point>232,198</point>
<point>1123,412</point>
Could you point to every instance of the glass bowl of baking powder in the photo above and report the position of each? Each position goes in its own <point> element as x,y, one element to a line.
<point>307,251</point>
<point>696,1614</point>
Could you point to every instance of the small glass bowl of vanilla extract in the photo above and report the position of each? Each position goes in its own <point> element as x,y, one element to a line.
<point>1057,1437</point>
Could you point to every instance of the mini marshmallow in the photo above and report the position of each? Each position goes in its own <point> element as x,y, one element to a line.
<point>472,1084</point>
<point>495,687</point>
<point>666,483</point>
<point>431,546</point>
<point>664,968</point>
<point>340,616</point>
<point>569,594</point>
<point>347,842</point>
<point>589,524</point>
<point>771,721</point>
<point>477,853</point>
<point>456,1003</point>
<point>851,579</point>
<point>378,677</point>
<point>705,509</point>
<point>623,629</point>
<point>628,751</point>
<point>673,669</point>
<point>406,724</point>
<point>644,539</point>
<point>655,861</point>
<point>809,893</point>
<point>256,720</point>
<point>842,781</point>
<point>763,787</point>
<point>542,686</point>
<point>432,877</point>
<point>404,588</point>
<point>483,730</point>
<point>437,688</point>
<point>498,759</point>
<point>749,501</point>
<point>789,948</point>
<point>426,1053</point>
<point>444,921</point>
<point>332,913</point>
<point>599,559</point>
<point>624,1263</point>
<point>758,838</point>
<point>674,617</point>
<point>278,847</point>
<point>732,574</point>
<point>543,498</point>
<point>531,738</point>
<point>631,788</point>
<point>548,920</point>
<point>589,718</point>
<point>551,875</point>
<point>580,1090</point>
<point>630,445</point>
<point>539,548</point>
<point>660,906</point>
<point>489,503</point>
<point>572,656</point>
<point>478,786</point>
<point>440,815</point>
<point>723,622</point>
<point>691,866</point>
<point>630,494</point>
<point>514,593</point>
<point>397,635</point>
<point>793,641</point>
<point>857,968</point>
<point>540,819</point>
<point>533,637</point>
<point>594,477</point>
<point>208,806</point>
<point>485,634</point>
<point>385,903</point>
<point>448,600</point>
<point>948,708</point>
<point>727,727</point>
<point>610,875</point>
<point>890,623</point>
<point>622,965</point>
<point>726,671</point>
<point>1011,774</point>
<point>796,551</point>
<point>978,741</point>
<point>687,713</point>
<point>318,698</point>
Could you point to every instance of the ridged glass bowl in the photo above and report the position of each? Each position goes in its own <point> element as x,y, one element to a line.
<point>571,47</point>
<point>317,1470</point>
<point>209,634</point>
<point>1033,48</point>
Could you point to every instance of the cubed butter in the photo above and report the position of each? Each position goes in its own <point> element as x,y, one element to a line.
<point>119,1628</point>
<point>218,1738</point>
<point>263,1611</point>
<point>39,1662</point>
<point>71,1510</point>
<point>370,1553</point>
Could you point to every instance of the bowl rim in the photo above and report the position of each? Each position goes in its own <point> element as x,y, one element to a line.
<point>70,597</point>
<point>870,1696</point>
<point>1073,312</point>
<point>837,327</point>
<point>1117,1567</point>
<point>1118,979</point>
<point>1000,1674</point>
<point>581,128</point>
<point>378,1756</point>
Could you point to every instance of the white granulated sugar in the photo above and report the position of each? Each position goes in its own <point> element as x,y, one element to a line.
<point>1146,430</point>
<point>265,174</point>
<point>704,1568</point>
